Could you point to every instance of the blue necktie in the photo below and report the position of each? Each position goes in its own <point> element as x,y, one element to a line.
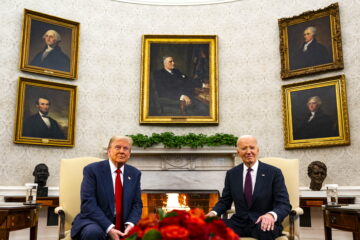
<point>248,187</point>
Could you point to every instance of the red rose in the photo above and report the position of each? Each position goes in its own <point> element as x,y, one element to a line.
<point>218,228</point>
<point>175,217</point>
<point>173,220</point>
<point>173,232</point>
<point>151,220</point>
<point>197,212</point>
<point>231,235</point>
<point>197,228</point>
<point>136,229</point>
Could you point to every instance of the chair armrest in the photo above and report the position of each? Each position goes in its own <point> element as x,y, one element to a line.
<point>60,211</point>
<point>230,211</point>
<point>295,212</point>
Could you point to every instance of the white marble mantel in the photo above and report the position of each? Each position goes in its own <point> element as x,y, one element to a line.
<point>184,168</point>
<point>184,159</point>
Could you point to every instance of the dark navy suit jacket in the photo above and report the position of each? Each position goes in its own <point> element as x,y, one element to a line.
<point>34,126</point>
<point>56,59</point>
<point>97,197</point>
<point>269,194</point>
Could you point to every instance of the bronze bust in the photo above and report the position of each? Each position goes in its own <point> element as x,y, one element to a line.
<point>41,174</point>
<point>317,173</point>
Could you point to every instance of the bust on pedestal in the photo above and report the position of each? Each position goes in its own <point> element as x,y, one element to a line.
<point>41,174</point>
<point>317,173</point>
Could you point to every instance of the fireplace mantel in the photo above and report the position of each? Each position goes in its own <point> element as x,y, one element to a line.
<point>165,159</point>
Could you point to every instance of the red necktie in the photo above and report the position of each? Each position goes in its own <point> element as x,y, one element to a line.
<point>248,187</point>
<point>118,200</point>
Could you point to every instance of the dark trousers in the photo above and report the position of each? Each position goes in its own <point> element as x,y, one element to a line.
<point>92,232</point>
<point>253,230</point>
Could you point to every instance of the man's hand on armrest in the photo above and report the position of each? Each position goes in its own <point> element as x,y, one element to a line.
<point>211,214</point>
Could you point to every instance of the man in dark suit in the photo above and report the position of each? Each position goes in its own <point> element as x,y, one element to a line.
<point>172,84</point>
<point>316,123</point>
<point>52,56</point>
<point>258,192</point>
<point>311,52</point>
<point>40,125</point>
<point>100,217</point>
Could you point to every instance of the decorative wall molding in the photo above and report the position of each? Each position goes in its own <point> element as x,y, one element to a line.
<point>176,2</point>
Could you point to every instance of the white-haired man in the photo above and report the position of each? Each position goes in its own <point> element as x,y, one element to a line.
<point>311,52</point>
<point>52,56</point>
<point>173,85</point>
<point>316,124</point>
<point>110,195</point>
<point>258,192</point>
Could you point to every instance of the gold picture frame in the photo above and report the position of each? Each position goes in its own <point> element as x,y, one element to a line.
<point>45,113</point>
<point>316,113</point>
<point>187,94</point>
<point>50,45</point>
<point>311,42</point>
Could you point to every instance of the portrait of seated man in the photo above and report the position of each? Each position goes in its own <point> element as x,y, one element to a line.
<point>41,125</point>
<point>311,52</point>
<point>316,123</point>
<point>52,56</point>
<point>171,85</point>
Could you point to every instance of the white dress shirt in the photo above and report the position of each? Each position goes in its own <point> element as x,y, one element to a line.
<point>306,45</point>
<point>45,119</point>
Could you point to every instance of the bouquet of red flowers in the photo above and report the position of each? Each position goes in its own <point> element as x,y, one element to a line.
<point>181,225</point>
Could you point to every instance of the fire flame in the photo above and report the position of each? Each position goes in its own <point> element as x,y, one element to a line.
<point>175,201</point>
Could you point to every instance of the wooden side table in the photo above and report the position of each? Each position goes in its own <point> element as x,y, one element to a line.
<point>51,202</point>
<point>346,218</point>
<point>16,216</point>
<point>307,202</point>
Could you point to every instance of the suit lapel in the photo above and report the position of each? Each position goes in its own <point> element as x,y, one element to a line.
<point>259,181</point>
<point>239,179</point>
<point>108,184</point>
<point>41,121</point>
<point>127,186</point>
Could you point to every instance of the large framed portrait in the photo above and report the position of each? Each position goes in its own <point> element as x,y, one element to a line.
<point>311,42</point>
<point>45,113</point>
<point>179,81</point>
<point>50,45</point>
<point>316,113</point>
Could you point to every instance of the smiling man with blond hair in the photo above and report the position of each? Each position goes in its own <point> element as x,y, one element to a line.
<point>110,195</point>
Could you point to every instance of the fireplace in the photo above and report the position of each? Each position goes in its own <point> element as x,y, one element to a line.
<point>178,199</point>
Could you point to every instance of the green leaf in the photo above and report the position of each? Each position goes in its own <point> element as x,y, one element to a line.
<point>171,214</point>
<point>169,140</point>
<point>132,237</point>
<point>152,235</point>
<point>161,213</point>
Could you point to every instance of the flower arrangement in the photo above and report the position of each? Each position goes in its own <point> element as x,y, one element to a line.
<point>181,225</point>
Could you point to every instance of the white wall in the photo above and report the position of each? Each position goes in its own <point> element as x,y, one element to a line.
<point>109,77</point>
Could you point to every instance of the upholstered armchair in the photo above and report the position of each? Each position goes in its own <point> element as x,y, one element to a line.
<point>71,175</point>
<point>290,170</point>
